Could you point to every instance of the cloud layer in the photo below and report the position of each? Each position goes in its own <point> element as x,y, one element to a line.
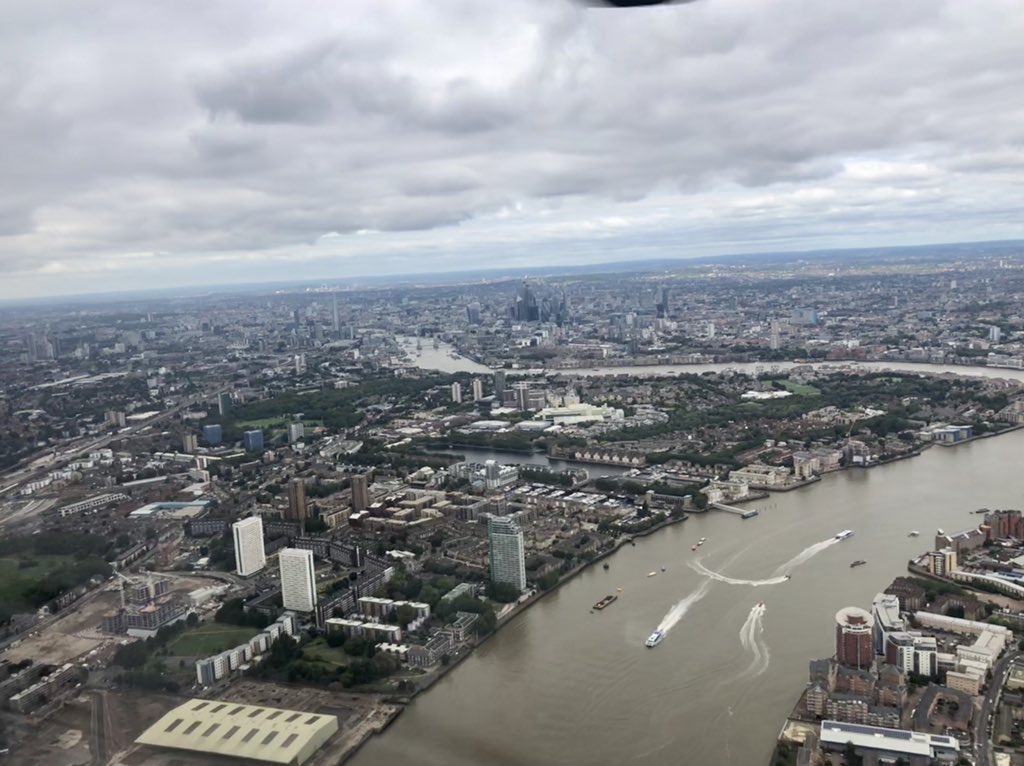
<point>177,143</point>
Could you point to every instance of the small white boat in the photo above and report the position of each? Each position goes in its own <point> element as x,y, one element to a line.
<point>702,541</point>
<point>654,639</point>
<point>914,533</point>
<point>846,533</point>
<point>651,574</point>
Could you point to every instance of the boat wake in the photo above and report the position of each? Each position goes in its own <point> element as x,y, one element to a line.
<point>779,576</point>
<point>753,641</point>
<point>805,555</point>
<point>712,575</point>
<point>677,612</point>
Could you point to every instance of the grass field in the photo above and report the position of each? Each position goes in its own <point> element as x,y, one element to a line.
<point>209,639</point>
<point>278,422</point>
<point>15,580</point>
<point>319,650</point>
<point>800,389</point>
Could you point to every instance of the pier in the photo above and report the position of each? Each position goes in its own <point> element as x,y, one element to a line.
<point>741,512</point>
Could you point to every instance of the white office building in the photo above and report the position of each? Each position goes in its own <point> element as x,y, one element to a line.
<point>505,545</point>
<point>249,555</point>
<point>298,580</point>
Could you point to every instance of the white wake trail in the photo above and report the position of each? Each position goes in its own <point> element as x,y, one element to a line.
<point>778,577</point>
<point>751,639</point>
<point>677,612</point>
<point>805,555</point>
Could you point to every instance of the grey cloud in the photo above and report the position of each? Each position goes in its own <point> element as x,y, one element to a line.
<point>241,129</point>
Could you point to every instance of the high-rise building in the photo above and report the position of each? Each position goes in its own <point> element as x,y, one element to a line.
<point>337,322</point>
<point>505,548</point>
<point>522,396</point>
<point>252,440</point>
<point>854,640</point>
<point>249,555</point>
<point>298,579</point>
<point>213,434</point>
<point>116,418</point>
<point>525,307</point>
<point>457,392</point>
<point>478,389</point>
<point>995,334</point>
<point>300,364</point>
<point>189,442</point>
<point>499,385</point>
<point>360,492</point>
<point>295,432</point>
<point>297,510</point>
<point>473,312</point>
<point>224,403</point>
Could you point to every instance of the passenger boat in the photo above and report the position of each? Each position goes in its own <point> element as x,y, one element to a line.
<point>654,639</point>
<point>605,602</point>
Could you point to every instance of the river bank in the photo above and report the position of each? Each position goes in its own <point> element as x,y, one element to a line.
<point>507,619</point>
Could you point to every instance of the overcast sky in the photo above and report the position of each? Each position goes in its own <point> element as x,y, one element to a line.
<point>149,144</point>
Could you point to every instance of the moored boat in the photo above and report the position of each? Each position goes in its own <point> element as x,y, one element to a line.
<point>605,601</point>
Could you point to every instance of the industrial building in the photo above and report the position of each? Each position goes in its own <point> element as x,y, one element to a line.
<point>246,732</point>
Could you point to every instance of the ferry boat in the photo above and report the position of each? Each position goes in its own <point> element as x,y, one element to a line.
<point>654,639</point>
<point>844,534</point>
<point>857,563</point>
<point>605,602</point>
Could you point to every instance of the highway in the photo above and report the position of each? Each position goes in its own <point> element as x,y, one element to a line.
<point>982,726</point>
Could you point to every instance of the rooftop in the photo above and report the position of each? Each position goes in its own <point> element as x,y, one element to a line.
<point>249,732</point>
<point>888,740</point>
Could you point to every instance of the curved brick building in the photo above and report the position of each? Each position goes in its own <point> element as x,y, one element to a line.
<point>853,637</point>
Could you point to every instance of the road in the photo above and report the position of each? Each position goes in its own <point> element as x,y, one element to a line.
<point>982,726</point>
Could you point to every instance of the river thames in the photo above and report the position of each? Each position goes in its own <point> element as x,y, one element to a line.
<point>563,685</point>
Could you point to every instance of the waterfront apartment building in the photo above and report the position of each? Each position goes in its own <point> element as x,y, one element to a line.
<point>505,548</point>
<point>250,557</point>
<point>854,639</point>
<point>885,610</point>
<point>298,580</point>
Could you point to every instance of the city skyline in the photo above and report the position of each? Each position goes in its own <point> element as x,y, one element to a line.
<point>536,133</point>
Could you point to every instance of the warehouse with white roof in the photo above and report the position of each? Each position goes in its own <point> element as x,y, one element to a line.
<point>270,735</point>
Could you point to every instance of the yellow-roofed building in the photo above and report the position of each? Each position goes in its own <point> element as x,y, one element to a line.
<point>248,732</point>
